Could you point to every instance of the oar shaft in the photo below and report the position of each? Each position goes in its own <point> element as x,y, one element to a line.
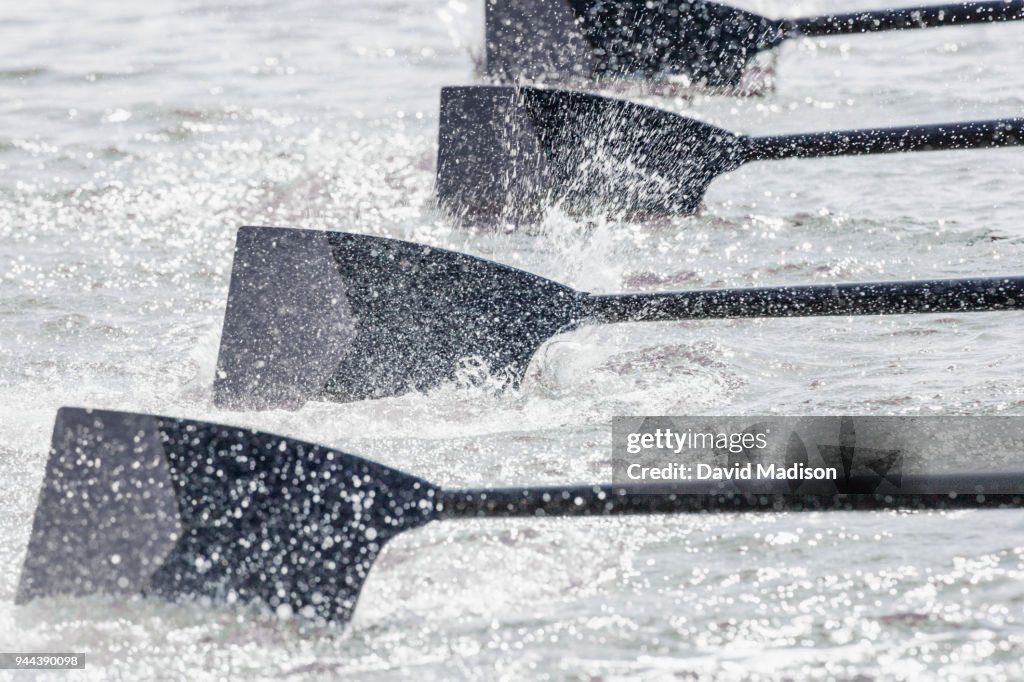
<point>1008,132</point>
<point>908,18</point>
<point>940,491</point>
<point>868,298</point>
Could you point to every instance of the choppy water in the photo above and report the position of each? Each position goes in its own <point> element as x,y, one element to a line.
<point>135,138</point>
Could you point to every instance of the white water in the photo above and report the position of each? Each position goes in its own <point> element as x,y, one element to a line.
<point>135,139</point>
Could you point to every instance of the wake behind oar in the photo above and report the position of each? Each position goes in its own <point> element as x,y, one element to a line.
<point>508,154</point>
<point>174,508</point>
<point>710,43</point>
<point>340,316</point>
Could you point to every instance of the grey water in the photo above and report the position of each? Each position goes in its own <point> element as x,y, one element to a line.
<point>136,137</point>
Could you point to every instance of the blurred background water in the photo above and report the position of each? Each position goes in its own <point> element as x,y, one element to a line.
<point>136,138</point>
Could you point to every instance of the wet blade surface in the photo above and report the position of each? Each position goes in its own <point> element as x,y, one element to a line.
<point>506,154</point>
<point>178,508</point>
<point>708,42</point>
<point>390,317</point>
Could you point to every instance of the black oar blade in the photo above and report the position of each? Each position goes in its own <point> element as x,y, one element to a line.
<point>710,43</point>
<point>390,317</point>
<point>707,41</point>
<point>504,154</point>
<point>135,503</point>
<point>287,320</point>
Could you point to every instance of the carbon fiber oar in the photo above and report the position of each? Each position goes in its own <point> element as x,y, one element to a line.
<point>142,504</point>
<point>508,154</point>
<point>709,42</point>
<point>342,316</point>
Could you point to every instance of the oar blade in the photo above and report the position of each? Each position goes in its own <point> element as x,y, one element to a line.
<point>136,503</point>
<point>107,517</point>
<point>711,43</point>
<point>351,317</point>
<point>506,154</point>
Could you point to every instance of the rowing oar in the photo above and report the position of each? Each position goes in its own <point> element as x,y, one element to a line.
<point>137,503</point>
<point>710,43</point>
<point>341,316</point>
<point>508,153</point>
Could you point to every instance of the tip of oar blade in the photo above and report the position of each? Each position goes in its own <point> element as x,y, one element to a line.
<point>490,167</point>
<point>535,39</point>
<point>708,42</point>
<point>107,516</point>
<point>506,154</point>
<point>286,322</point>
<point>351,317</point>
<point>135,503</point>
